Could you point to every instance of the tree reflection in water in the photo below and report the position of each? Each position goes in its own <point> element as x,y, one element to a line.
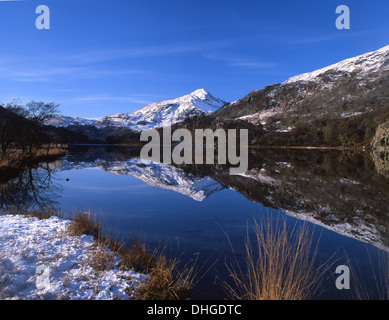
<point>28,189</point>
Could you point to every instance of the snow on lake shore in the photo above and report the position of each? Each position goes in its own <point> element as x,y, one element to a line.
<point>39,260</point>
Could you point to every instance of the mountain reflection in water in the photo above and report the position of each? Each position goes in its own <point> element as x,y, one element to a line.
<point>344,192</point>
<point>341,191</point>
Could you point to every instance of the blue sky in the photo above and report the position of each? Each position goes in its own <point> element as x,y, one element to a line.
<point>105,57</point>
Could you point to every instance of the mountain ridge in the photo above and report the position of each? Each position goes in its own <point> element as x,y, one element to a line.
<point>339,105</point>
<point>154,115</point>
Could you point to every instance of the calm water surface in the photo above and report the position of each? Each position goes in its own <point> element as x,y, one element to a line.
<point>344,198</point>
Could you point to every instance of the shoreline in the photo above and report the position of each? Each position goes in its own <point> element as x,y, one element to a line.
<point>311,148</point>
<point>41,155</point>
<point>81,263</point>
<point>30,245</point>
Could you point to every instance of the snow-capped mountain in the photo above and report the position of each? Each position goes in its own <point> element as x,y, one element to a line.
<point>155,115</point>
<point>166,113</point>
<point>64,121</point>
<point>345,89</point>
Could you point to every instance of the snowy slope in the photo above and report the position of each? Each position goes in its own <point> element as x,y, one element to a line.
<point>166,113</point>
<point>345,89</point>
<point>28,243</point>
<point>362,65</point>
<point>64,121</point>
<point>159,114</point>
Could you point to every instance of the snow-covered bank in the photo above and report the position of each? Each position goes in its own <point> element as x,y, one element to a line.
<point>41,254</point>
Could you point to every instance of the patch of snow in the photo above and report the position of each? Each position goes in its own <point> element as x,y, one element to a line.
<point>285,129</point>
<point>350,114</point>
<point>261,176</point>
<point>260,117</point>
<point>28,243</point>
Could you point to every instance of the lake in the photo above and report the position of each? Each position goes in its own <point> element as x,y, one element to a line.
<point>202,213</point>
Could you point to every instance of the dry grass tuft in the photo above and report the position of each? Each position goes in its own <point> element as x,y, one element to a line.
<point>84,224</point>
<point>103,259</point>
<point>41,214</point>
<point>138,257</point>
<point>165,282</point>
<point>279,265</point>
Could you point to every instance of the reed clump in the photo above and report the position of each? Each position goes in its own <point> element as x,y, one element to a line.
<point>279,264</point>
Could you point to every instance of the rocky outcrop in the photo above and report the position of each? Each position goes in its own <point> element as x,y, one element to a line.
<point>381,161</point>
<point>380,149</point>
<point>381,139</point>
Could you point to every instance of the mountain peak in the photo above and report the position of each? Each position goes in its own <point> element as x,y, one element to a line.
<point>200,93</point>
<point>168,112</point>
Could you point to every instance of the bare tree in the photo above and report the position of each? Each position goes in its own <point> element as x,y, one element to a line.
<point>21,128</point>
<point>40,112</point>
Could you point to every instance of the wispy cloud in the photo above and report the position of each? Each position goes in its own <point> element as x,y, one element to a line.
<point>232,60</point>
<point>252,64</point>
<point>50,74</point>
<point>37,75</point>
<point>86,65</point>
<point>99,98</point>
<point>144,52</point>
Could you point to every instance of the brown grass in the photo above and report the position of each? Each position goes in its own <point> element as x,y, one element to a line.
<point>279,265</point>
<point>166,280</point>
<point>102,259</point>
<point>39,213</point>
<point>84,224</point>
<point>138,257</point>
<point>16,157</point>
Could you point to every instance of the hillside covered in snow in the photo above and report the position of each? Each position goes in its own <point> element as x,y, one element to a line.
<point>354,87</point>
<point>155,115</point>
